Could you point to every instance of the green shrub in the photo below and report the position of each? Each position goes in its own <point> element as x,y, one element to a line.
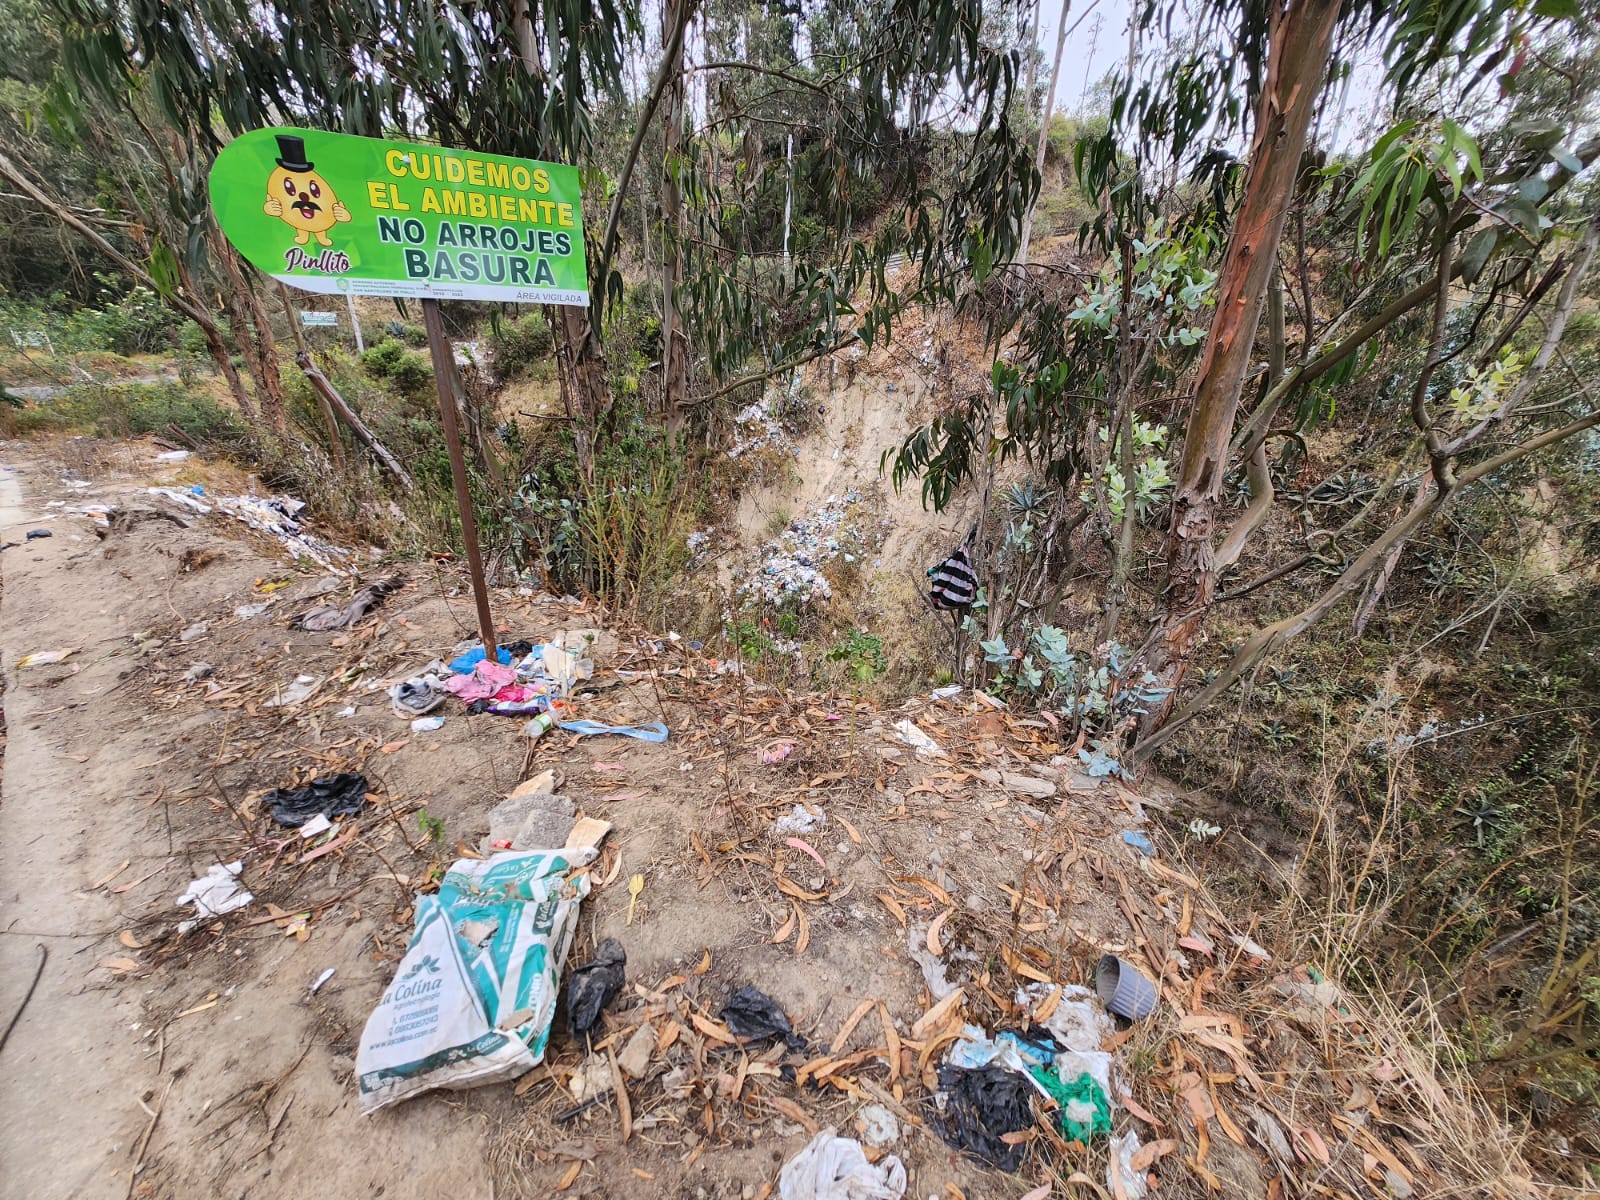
<point>130,410</point>
<point>518,345</point>
<point>408,371</point>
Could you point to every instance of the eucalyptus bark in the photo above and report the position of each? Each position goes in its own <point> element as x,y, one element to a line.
<point>1302,35</point>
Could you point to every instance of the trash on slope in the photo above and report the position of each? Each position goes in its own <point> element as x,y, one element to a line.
<point>417,696</point>
<point>326,617</point>
<point>981,1106</point>
<point>427,724</point>
<point>278,518</point>
<point>330,796</point>
<point>1124,989</point>
<point>799,820</point>
<point>460,1013</point>
<point>877,1126</point>
<point>830,1167</point>
<point>751,1013</point>
<point>594,985</point>
<point>1085,1108</point>
<point>45,658</point>
<point>906,731</point>
<point>651,731</point>
<point>216,892</point>
<point>1134,1183</point>
<point>300,689</point>
<point>463,663</point>
<point>482,681</point>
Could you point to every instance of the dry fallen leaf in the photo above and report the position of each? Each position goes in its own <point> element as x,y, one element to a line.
<point>1148,1154</point>
<point>935,946</point>
<point>851,830</point>
<point>570,1177</point>
<point>121,965</point>
<point>787,927</point>
<point>894,907</point>
<point>127,939</point>
<point>391,747</point>
<point>849,1026</point>
<point>714,1030</point>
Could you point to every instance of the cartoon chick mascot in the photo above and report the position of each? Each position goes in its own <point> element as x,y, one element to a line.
<point>300,197</point>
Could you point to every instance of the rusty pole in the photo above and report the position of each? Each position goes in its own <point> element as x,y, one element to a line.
<point>443,366</point>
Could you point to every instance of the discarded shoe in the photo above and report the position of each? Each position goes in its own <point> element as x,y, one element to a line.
<point>417,696</point>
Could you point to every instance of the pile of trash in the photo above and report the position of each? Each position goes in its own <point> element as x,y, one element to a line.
<point>759,425</point>
<point>791,565</point>
<point>275,516</point>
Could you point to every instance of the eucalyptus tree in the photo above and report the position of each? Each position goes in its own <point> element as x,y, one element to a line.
<point>1427,219</point>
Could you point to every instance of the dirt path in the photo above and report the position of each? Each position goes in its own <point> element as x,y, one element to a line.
<point>100,1048</point>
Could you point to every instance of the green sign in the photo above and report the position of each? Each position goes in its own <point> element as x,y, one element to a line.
<point>338,214</point>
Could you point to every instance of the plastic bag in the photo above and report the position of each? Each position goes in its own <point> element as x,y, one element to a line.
<point>475,994</point>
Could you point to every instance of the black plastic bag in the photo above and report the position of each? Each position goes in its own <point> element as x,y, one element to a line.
<point>594,985</point>
<point>330,796</point>
<point>982,1105</point>
<point>751,1013</point>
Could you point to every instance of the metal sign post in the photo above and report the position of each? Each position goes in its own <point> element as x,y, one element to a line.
<point>443,366</point>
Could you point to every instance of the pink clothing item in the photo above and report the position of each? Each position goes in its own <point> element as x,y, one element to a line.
<point>486,679</point>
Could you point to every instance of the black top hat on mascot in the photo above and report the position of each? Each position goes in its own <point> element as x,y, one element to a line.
<point>292,149</point>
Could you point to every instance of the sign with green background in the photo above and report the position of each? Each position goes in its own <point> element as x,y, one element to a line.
<point>339,214</point>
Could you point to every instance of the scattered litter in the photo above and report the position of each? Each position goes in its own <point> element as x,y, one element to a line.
<point>331,796</point>
<point>635,887</point>
<point>1078,1022</point>
<point>348,710</point>
<point>417,696</point>
<point>427,724</point>
<point>906,731</point>
<point>198,671</point>
<point>195,632</point>
<point>248,612</point>
<point>447,1022</point>
<point>44,658</point>
<point>480,682</point>
<point>277,517</point>
<point>173,456</point>
<point>949,692</point>
<point>1140,842</point>
<point>539,726</point>
<point>835,1168</point>
<point>1085,1108</point>
<point>316,985</point>
<point>1133,1183</point>
<point>35,534</point>
<point>216,892</point>
<point>939,983</point>
<point>651,731</point>
<point>315,825</point>
<point>591,1080</point>
<point>1123,988</point>
<point>800,820</point>
<point>751,1013</point>
<point>339,616</point>
<point>594,985</point>
<point>877,1126</point>
<point>775,754</point>
<point>791,566</point>
<point>463,663</point>
<point>981,1106</point>
<point>181,498</point>
<point>297,691</point>
<point>530,821</point>
<point>976,1049</point>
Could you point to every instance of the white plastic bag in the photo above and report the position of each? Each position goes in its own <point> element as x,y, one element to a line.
<point>475,994</point>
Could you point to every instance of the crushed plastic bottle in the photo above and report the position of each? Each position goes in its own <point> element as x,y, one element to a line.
<point>539,726</point>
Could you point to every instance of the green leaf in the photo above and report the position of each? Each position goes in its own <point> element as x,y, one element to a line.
<point>1476,256</point>
<point>1567,159</point>
<point>1557,10</point>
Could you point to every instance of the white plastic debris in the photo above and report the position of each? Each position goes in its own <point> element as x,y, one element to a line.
<point>906,731</point>
<point>317,824</point>
<point>877,1126</point>
<point>836,1168</point>
<point>947,693</point>
<point>322,979</point>
<point>297,691</point>
<point>173,456</point>
<point>427,724</point>
<point>195,632</point>
<point>214,893</point>
<point>246,612</point>
<point>800,820</point>
<point>182,499</point>
<point>1134,1185</point>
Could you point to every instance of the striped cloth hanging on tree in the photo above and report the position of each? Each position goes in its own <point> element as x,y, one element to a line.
<point>953,583</point>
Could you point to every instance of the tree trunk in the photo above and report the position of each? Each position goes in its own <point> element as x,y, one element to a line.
<point>1044,122</point>
<point>329,395</point>
<point>1297,61</point>
<point>674,342</point>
